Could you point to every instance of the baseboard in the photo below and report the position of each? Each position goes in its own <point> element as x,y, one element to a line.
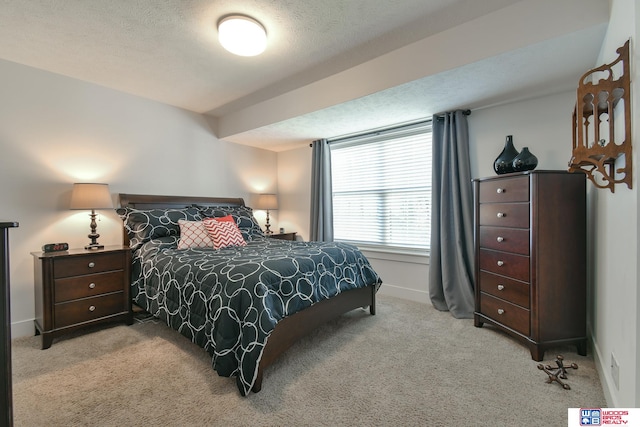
<point>602,366</point>
<point>404,293</point>
<point>21,329</point>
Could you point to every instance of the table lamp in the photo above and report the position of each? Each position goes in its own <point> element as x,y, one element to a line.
<point>89,196</point>
<point>267,202</point>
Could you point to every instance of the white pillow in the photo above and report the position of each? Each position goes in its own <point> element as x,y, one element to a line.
<point>193,234</point>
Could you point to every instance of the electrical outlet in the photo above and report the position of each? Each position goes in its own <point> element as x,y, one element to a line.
<point>615,371</point>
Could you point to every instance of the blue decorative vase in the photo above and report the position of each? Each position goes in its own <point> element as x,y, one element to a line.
<point>525,161</point>
<point>504,162</point>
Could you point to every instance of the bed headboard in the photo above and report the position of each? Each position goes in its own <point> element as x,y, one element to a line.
<point>146,201</point>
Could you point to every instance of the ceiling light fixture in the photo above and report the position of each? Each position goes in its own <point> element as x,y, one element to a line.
<point>242,35</point>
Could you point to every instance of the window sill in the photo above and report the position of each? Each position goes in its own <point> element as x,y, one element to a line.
<point>395,254</point>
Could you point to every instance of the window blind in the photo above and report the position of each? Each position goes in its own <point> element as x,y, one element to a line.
<point>382,187</point>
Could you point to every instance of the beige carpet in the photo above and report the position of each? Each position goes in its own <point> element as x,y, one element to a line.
<point>408,365</point>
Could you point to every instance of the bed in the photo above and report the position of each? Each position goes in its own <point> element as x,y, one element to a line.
<point>245,305</point>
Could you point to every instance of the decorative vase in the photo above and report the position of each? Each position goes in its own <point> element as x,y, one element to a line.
<point>525,161</point>
<point>504,162</point>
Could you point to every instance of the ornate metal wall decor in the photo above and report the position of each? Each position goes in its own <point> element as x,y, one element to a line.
<point>602,124</point>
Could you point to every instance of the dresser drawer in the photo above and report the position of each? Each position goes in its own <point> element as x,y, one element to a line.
<point>510,315</point>
<point>505,190</point>
<point>86,309</point>
<point>505,239</point>
<point>505,264</point>
<point>505,214</point>
<point>88,264</point>
<point>505,288</point>
<point>90,285</point>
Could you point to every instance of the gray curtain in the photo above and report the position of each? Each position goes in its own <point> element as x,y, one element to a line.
<point>451,269</point>
<point>321,193</point>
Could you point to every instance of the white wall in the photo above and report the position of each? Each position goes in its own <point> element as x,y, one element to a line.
<point>615,241</point>
<point>55,131</point>
<point>294,184</point>
<point>542,124</point>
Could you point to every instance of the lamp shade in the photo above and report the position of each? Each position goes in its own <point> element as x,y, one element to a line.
<point>91,196</point>
<point>267,202</point>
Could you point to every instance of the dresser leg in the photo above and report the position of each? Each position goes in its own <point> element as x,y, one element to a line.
<point>47,340</point>
<point>582,347</point>
<point>537,352</point>
<point>477,322</point>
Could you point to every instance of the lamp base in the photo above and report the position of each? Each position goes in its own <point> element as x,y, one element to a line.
<point>94,247</point>
<point>267,230</point>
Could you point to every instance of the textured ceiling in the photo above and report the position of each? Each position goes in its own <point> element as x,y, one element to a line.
<point>166,50</point>
<point>504,78</point>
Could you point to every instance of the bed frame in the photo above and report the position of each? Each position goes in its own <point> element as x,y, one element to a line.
<point>291,328</point>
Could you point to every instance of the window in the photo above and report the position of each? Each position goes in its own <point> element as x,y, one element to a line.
<point>382,187</point>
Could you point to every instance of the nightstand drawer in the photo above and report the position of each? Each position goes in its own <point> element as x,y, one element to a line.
<point>505,264</point>
<point>510,315</point>
<point>514,215</point>
<point>505,239</point>
<point>87,309</point>
<point>505,288</point>
<point>505,190</point>
<point>283,236</point>
<point>88,264</point>
<point>90,285</point>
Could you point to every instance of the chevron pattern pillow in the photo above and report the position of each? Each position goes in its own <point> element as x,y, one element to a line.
<point>193,234</point>
<point>223,233</point>
<point>242,215</point>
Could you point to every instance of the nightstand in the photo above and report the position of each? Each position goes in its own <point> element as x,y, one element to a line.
<point>80,288</point>
<point>283,236</point>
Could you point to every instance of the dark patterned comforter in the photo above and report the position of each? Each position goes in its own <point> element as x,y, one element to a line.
<point>228,301</point>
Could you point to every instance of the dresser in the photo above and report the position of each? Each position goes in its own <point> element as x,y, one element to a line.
<point>80,288</point>
<point>6,391</point>
<point>530,238</point>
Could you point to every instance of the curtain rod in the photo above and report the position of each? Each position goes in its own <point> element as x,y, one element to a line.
<point>375,132</point>
<point>379,131</point>
<point>464,112</point>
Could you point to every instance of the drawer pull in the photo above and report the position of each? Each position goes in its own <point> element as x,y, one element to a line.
<point>500,287</point>
<point>92,285</point>
<point>500,263</point>
<point>92,308</point>
<point>500,311</point>
<point>500,239</point>
<point>501,214</point>
<point>92,264</point>
<point>501,190</point>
